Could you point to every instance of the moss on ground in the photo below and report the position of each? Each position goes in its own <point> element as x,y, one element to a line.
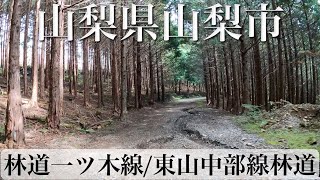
<point>286,138</point>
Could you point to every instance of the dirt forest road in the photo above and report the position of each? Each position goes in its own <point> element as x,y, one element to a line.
<point>182,124</point>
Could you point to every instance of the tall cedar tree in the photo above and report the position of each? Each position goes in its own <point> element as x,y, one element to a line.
<point>14,117</point>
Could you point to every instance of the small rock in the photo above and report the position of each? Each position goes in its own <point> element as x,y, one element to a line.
<point>244,139</point>
<point>303,124</point>
<point>250,144</point>
<point>312,141</point>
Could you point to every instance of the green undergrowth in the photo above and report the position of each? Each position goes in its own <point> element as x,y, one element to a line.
<point>200,104</point>
<point>254,123</point>
<point>186,95</point>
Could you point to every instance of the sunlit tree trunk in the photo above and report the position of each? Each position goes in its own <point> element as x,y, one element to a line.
<point>61,69</point>
<point>35,69</point>
<point>25,50</point>
<point>75,70</point>
<point>14,116</point>
<point>55,75</point>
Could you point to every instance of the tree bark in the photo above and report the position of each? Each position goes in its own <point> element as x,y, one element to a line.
<point>258,74</point>
<point>272,96</point>
<point>85,73</point>
<point>215,61</point>
<point>115,83</point>
<point>314,87</point>
<point>228,84</point>
<point>124,83</point>
<point>61,69</point>
<point>162,83</point>
<point>25,50</point>
<point>236,99</point>
<point>35,68</point>
<point>98,74</point>
<point>75,70</point>
<point>158,78</point>
<point>139,88</point>
<point>55,75</point>
<point>42,65</point>
<point>151,76</point>
<point>14,115</point>
<point>245,72</point>
<point>70,68</point>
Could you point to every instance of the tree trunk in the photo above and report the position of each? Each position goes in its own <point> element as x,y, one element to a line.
<point>14,115</point>
<point>98,74</point>
<point>245,72</point>
<point>85,72</point>
<point>258,74</point>
<point>298,94</point>
<point>236,99</point>
<point>313,64</point>
<point>281,69</point>
<point>55,75</point>
<point>158,78</point>
<point>272,96</point>
<point>218,91</point>
<point>129,74</point>
<point>151,76</point>
<point>228,84</point>
<point>139,88</point>
<point>162,83</point>
<point>25,50</point>
<point>206,78</point>
<point>42,76</point>
<point>70,68</point>
<point>6,69</point>
<point>35,69</point>
<point>124,82</point>
<point>306,72</point>
<point>289,95</point>
<point>115,82</point>
<point>61,70</point>
<point>75,70</point>
<point>294,79</point>
<point>48,60</point>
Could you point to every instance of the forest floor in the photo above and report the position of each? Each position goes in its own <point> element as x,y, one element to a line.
<point>180,124</point>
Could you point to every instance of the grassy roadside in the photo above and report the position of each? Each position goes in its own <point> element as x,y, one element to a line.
<point>253,122</point>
